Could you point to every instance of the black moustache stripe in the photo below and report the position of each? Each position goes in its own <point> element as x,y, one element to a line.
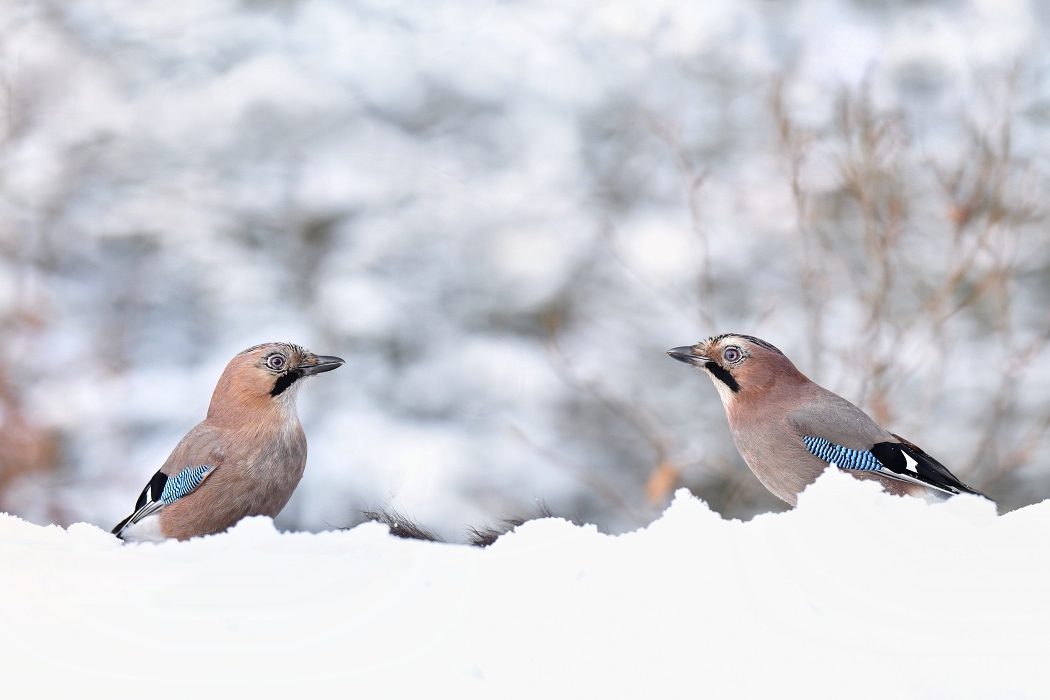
<point>722,375</point>
<point>284,381</point>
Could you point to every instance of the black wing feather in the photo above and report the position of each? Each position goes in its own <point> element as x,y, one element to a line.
<point>149,496</point>
<point>927,469</point>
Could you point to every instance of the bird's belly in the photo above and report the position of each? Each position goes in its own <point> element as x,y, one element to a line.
<point>784,469</point>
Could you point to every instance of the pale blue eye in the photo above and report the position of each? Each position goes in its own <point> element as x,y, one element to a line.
<point>731,354</point>
<point>275,362</point>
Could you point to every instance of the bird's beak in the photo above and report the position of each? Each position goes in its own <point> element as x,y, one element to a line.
<point>685,354</point>
<point>325,363</point>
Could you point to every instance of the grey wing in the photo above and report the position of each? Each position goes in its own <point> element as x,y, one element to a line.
<point>838,432</point>
<point>192,461</point>
<point>829,416</point>
<point>163,490</point>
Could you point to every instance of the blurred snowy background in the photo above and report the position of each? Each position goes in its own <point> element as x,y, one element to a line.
<point>501,214</point>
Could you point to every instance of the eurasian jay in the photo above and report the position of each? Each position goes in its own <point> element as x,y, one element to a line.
<point>789,429</point>
<point>245,458</point>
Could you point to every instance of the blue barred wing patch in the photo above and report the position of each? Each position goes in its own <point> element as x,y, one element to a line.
<point>183,483</point>
<point>842,457</point>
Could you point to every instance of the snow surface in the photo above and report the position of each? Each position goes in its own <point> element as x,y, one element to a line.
<point>853,594</point>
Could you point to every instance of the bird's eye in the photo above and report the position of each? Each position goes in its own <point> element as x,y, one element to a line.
<point>732,354</point>
<point>275,362</point>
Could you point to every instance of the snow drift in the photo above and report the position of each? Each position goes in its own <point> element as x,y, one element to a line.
<point>853,594</point>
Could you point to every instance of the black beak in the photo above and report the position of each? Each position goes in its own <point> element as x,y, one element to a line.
<point>325,363</point>
<point>685,354</point>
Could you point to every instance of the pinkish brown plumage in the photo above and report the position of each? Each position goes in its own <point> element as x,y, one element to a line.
<point>788,429</point>
<point>245,458</point>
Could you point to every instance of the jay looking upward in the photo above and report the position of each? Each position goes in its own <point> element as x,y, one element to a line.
<point>789,429</point>
<point>245,458</point>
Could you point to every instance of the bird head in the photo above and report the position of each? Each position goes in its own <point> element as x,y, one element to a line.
<point>739,365</point>
<point>267,375</point>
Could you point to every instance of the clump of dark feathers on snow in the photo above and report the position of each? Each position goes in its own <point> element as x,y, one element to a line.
<point>400,525</point>
<point>404,527</point>
<point>484,536</point>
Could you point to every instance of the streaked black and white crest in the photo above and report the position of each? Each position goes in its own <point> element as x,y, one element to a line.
<point>749,338</point>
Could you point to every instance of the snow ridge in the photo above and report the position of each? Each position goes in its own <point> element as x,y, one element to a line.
<point>853,594</point>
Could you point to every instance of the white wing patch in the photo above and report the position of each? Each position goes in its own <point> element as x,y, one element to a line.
<point>909,463</point>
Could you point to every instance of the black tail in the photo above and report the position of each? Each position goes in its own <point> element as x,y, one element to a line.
<point>404,527</point>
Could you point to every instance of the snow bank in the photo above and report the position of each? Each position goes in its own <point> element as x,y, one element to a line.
<point>853,594</point>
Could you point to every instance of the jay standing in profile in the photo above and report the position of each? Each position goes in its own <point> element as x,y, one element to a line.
<point>789,429</point>
<point>245,458</point>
